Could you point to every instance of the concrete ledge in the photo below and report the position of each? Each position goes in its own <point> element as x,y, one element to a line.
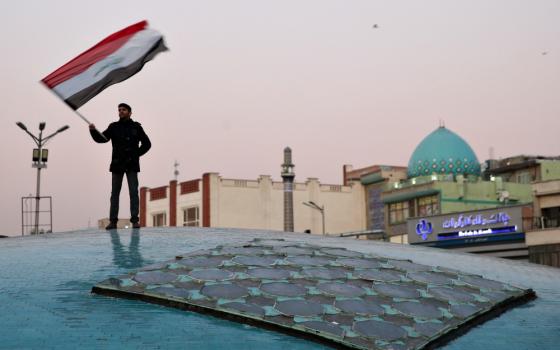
<point>543,237</point>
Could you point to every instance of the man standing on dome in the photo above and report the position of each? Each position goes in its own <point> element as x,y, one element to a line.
<point>129,142</point>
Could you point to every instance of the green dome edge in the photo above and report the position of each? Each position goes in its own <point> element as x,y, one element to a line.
<point>443,152</point>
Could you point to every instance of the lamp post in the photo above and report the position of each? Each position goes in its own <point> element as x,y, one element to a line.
<point>321,209</point>
<point>40,158</point>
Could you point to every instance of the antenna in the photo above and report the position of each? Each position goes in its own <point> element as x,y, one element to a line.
<point>176,172</point>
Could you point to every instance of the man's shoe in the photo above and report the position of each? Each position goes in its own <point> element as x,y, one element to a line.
<point>111,226</point>
<point>135,225</point>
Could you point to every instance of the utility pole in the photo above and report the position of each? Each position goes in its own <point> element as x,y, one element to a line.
<point>40,158</point>
<point>288,176</point>
<point>321,209</point>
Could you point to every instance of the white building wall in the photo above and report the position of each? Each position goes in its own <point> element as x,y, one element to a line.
<point>258,204</point>
<point>238,204</point>
<point>344,207</point>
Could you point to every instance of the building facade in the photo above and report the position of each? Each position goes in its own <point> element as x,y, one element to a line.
<point>444,176</point>
<point>444,181</point>
<point>375,180</point>
<point>523,169</point>
<point>443,194</point>
<point>214,201</point>
<point>543,239</point>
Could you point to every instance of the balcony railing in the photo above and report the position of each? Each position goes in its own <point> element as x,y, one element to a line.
<point>542,222</point>
<point>427,179</point>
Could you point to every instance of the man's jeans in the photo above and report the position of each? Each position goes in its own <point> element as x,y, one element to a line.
<point>132,180</point>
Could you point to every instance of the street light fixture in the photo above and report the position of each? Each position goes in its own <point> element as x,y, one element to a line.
<point>40,157</point>
<point>65,127</point>
<point>22,126</point>
<point>321,209</point>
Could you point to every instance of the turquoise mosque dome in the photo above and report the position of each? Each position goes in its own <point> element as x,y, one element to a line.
<point>443,152</point>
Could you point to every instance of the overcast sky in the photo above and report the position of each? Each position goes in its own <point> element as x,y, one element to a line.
<point>244,79</point>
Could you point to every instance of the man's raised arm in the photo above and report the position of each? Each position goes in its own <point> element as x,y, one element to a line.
<point>97,136</point>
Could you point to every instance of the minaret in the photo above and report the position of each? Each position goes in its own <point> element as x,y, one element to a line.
<point>288,179</point>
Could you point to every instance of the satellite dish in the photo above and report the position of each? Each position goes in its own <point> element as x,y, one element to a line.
<point>504,195</point>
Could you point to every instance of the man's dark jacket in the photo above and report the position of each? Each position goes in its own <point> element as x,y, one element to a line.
<point>129,142</point>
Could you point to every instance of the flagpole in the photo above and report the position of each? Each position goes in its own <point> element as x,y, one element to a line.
<point>89,123</point>
<point>72,108</point>
<point>81,116</point>
<point>42,82</point>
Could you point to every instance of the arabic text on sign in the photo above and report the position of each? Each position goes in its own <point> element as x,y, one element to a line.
<point>476,220</point>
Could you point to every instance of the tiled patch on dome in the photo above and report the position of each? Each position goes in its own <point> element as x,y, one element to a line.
<point>324,274</point>
<point>269,273</point>
<point>332,295</point>
<point>380,275</point>
<point>285,289</point>
<point>211,274</point>
<point>358,306</point>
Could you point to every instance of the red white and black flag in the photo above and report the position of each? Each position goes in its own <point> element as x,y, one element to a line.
<point>114,59</point>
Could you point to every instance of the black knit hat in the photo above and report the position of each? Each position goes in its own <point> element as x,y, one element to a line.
<point>124,105</point>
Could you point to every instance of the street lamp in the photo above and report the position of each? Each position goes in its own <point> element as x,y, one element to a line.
<point>321,209</point>
<point>40,158</point>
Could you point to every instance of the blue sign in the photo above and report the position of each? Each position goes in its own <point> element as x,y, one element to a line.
<point>477,232</point>
<point>424,228</point>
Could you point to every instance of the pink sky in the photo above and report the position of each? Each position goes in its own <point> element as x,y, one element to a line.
<point>244,79</point>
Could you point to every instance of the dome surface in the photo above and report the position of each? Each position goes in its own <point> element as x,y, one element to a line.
<point>443,152</point>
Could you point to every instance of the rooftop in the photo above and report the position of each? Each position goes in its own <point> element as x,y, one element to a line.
<point>45,299</point>
<point>497,166</point>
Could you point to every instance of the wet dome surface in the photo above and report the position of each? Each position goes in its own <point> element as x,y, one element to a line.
<point>45,285</point>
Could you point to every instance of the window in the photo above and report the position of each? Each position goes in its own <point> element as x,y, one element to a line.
<point>191,217</point>
<point>551,217</point>
<point>399,212</point>
<point>524,178</point>
<point>159,219</point>
<point>428,206</point>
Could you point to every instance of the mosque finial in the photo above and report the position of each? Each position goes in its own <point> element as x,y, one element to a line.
<point>176,172</point>
<point>441,123</point>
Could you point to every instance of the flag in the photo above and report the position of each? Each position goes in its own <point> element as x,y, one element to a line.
<point>114,59</point>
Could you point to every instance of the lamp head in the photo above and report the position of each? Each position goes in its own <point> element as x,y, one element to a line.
<point>22,126</point>
<point>65,127</point>
<point>42,126</point>
<point>44,155</point>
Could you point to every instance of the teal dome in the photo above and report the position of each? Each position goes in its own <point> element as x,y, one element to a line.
<point>443,152</point>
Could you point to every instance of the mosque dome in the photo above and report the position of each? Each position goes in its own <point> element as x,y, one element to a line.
<point>443,152</point>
